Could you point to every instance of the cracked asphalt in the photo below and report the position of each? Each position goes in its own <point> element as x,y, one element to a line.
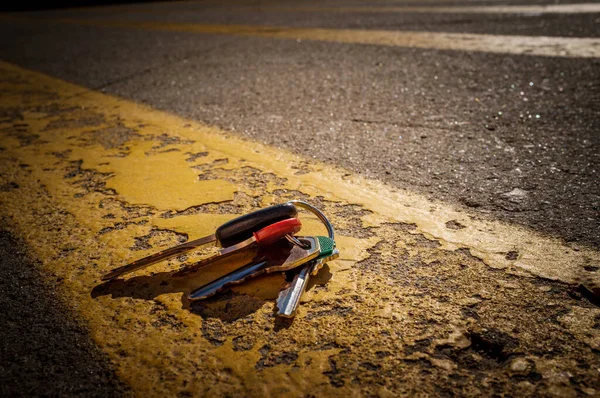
<point>511,137</point>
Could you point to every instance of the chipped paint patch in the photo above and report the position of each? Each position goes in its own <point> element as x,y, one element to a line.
<point>161,179</point>
<point>412,305</point>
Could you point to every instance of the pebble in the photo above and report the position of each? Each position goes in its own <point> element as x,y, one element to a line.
<point>520,365</point>
<point>517,195</point>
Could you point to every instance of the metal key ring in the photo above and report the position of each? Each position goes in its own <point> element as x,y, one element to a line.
<point>317,213</point>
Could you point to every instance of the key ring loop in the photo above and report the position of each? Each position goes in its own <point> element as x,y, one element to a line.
<point>317,213</point>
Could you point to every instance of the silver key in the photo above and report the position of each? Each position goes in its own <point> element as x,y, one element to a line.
<point>261,238</point>
<point>289,298</point>
<point>296,257</point>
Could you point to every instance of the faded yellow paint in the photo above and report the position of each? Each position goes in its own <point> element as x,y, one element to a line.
<point>163,180</point>
<point>503,44</point>
<point>383,7</point>
<point>583,8</point>
<point>70,192</point>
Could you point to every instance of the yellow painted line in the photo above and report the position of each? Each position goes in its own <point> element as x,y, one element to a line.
<point>91,181</point>
<point>583,8</point>
<point>577,8</point>
<point>503,44</point>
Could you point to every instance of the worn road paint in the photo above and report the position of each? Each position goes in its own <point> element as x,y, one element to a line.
<point>383,7</point>
<point>423,294</point>
<point>585,8</point>
<point>570,47</point>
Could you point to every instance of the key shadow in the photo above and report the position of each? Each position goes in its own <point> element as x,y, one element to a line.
<point>227,305</point>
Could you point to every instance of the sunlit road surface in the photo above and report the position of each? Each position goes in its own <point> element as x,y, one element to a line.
<point>456,153</point>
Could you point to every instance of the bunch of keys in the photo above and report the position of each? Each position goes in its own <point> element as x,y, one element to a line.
<point>268,232</point>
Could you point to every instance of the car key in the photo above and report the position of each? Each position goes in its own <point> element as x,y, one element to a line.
<point>289,298</point>
<point>230,233</point>
<point>296,256</point>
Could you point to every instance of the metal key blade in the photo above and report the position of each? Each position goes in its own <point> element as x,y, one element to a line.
<point>294,258</point>
<point>264,236</point>
<point>230,233</point>
<point>237,276</point>
<point>156,257</point>
<point>289,298</point>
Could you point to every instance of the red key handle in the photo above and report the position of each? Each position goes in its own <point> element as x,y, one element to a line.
<point>276,231</point>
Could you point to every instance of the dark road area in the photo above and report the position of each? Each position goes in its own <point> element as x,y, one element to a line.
<point>45,352</point>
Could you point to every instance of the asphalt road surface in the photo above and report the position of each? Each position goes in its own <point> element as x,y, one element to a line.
<point>505,134</point>
<point>464,127</point>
